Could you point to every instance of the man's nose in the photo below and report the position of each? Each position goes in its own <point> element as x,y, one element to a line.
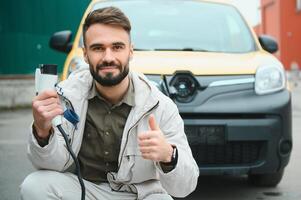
<point>108,55</point>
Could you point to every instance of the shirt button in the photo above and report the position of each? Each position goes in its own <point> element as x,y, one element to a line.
<point>106,153</point>
<point>107,164</point>
<point>107,133</point>
<point>109,112</point>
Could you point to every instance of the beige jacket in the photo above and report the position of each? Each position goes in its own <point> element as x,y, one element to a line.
<point>135,174</point>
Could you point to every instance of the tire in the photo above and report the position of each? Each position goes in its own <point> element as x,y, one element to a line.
<point>266,180</point>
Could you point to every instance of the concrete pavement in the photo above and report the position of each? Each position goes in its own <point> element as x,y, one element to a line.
<point>14,165</point>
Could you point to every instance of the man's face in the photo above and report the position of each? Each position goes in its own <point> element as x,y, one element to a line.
<point>107,51</point>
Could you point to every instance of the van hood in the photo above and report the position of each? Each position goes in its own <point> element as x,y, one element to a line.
<point>199,63</point>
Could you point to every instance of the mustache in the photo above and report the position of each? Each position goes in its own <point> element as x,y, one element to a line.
<point>107,64</point>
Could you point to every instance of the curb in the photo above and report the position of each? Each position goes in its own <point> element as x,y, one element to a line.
<point>16,93</point>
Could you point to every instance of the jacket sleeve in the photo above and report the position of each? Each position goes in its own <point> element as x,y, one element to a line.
<point>182,180</point>
<point>53,156</point>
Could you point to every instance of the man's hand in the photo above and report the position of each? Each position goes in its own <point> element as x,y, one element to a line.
<point>45,107</point>
<point>153,145</point>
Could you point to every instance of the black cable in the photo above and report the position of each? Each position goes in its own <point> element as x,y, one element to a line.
<point>79,176</point>
<point>166,85</point>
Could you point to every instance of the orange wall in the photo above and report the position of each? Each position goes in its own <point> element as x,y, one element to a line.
<point>290,33</point>
<point>270,13</point>
<point>281,20</point>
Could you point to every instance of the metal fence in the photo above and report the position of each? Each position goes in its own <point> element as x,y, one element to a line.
<point>25,29</point>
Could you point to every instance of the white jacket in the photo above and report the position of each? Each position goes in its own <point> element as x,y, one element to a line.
<point>135,174</point>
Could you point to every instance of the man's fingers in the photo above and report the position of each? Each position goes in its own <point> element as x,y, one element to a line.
<point>146,156</point>
<point>150,156</point>
<point>53,113</point>
<point>147,142</point>
<point>46,109</point>
<point>46,102</point>
<point>50,107</point>
<point>151,143</point>
<point>144,136</point>
<point>50,101</point>
<point>147,135</point>
<point>46,94</point>
<point>154,131</point>
<point>152,123</point>
<point>147,149</point>
<point>56,112</point>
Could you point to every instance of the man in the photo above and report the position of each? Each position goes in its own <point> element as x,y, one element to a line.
<point>130,140</point>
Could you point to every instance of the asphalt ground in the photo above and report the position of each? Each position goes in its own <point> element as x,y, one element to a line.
<point>14,165</point>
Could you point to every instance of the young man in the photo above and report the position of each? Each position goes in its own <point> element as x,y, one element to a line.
<point>130,140</point>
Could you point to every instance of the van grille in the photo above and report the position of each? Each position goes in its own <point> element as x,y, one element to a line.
<point>230,153</point>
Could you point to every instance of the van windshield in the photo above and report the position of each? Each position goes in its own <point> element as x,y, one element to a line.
<point>185,26</point>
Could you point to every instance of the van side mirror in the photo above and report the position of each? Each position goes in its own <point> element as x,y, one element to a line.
<point>268,43</point>
<point>61,41</point>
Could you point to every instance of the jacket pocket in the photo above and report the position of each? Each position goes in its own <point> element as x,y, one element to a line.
<point>125,169</point>
<point>141,169</point>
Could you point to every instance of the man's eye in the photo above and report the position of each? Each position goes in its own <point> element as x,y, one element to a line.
<point>118,47</point>
<point>97,49</point>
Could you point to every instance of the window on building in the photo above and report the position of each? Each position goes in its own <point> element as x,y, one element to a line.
<point>298,5</point>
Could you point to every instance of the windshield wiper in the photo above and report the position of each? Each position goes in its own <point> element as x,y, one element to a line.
<point>183,49</point>
<point>143,49</point>
<point>163,49</point>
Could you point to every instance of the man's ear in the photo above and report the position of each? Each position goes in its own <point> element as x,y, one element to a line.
<point>85,55</point>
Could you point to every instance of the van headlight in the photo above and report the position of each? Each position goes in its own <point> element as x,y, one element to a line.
<point>269,79</point>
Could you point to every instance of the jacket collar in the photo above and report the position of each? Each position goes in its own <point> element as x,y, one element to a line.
<point>80,82</point>
<point>145,95</point>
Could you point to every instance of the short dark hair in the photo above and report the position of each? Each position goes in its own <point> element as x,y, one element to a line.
<point>108,15</point>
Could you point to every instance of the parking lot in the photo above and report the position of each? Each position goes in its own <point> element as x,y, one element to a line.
<point>14,165</point>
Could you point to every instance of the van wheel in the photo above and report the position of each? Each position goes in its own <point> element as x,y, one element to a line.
<point>266,180</point>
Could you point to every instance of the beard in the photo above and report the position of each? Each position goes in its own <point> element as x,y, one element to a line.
<point>109,80</point>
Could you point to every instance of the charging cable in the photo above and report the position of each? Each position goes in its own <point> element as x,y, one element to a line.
<point>46,78</point>
<point>79,176</point>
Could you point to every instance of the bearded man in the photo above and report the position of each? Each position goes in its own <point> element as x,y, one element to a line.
<point>130,140</point>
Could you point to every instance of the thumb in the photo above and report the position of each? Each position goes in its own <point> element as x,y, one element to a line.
<point>152,123</point>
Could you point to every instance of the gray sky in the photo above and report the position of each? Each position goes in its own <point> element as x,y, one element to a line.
<point>250,9</point>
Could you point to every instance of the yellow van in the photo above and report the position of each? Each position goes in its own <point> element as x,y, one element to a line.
<point>231,92</point>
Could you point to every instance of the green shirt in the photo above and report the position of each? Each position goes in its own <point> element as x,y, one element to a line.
<point>102,135</point>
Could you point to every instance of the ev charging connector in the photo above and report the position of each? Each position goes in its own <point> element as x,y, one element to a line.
<point>46,78</point>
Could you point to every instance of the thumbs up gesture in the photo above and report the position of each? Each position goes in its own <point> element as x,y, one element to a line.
<point>153,145</point>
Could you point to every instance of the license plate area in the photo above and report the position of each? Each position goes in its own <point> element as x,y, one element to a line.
<point>205,134</point>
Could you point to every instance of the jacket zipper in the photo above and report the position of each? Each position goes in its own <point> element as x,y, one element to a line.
<point>127,137</point>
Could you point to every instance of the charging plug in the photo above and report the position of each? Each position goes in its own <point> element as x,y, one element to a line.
<point>46,78</point>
